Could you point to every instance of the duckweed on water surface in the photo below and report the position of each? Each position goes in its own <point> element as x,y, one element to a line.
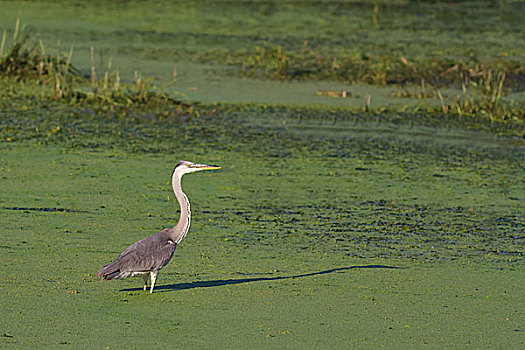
<point>328,225</point>
<point>311,223</point>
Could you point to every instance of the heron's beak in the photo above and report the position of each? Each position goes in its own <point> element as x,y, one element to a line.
<point>205,167</point>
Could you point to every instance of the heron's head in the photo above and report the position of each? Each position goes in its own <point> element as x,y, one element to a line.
<point>184,167</point>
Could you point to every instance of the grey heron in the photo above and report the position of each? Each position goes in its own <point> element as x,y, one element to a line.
<point>149,255</point>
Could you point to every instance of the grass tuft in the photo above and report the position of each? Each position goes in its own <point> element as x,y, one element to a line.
<point>25,60</point>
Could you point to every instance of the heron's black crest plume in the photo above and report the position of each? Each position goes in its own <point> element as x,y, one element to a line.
<point>180,163</point>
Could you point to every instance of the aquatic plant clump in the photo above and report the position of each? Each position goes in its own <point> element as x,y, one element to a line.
<point>272,61</point>
<point>23,60</point>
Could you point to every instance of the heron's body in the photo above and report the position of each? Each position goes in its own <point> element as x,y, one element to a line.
<point>149,255</point>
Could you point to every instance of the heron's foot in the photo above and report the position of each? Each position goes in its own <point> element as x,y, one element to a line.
<point>145,281</point>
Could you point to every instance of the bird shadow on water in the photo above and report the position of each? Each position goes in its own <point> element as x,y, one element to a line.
<point>225,282</point>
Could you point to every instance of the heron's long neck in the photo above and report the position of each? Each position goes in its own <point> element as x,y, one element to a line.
<point>182,227</point>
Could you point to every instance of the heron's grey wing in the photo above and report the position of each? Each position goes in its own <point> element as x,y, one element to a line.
<point>156,237</point>
<point>150,253</point>
<point>147,255</point>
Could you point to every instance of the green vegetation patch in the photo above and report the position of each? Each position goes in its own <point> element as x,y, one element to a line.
<point>276,63</point>
<point>380,236</point>
<point>28,72</point>
<point>315,48</point>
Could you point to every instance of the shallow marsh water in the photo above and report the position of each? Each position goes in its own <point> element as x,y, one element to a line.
<point>199,38</point>
<point>314,232</point>
<point>323,228</point>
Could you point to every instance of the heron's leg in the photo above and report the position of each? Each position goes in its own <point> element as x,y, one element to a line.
<point>145,279</point>
<point>153,275</point>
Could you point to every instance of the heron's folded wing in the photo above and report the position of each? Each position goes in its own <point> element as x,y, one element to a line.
<point>147,254</point>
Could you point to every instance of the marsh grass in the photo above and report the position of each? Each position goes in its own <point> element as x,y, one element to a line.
<point>483,96</point>
<point>270,60</point>
<point>423,91</point>
<point>52,76</point>
<point>482,84</point>
<point>27,61</point>
<point>274,62</point>
<point>22,58</point>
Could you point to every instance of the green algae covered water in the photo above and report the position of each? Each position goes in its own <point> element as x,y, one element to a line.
<point>324,228</point>
<point>314,233</point>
